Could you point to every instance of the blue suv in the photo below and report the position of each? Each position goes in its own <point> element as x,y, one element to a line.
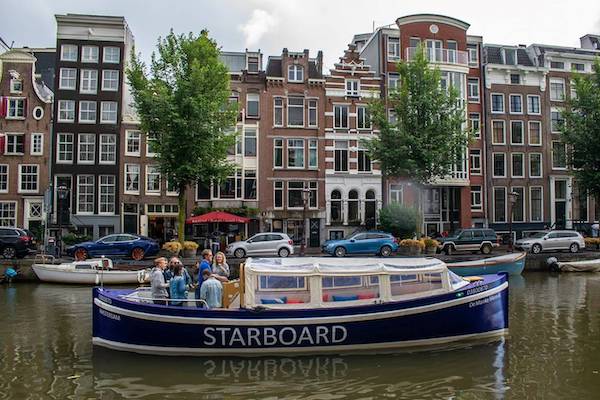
<point>372,242</point>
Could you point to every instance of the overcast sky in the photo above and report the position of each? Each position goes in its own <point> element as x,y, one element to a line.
<point>326,25</point>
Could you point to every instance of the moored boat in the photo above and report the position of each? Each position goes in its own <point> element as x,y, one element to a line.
<point>95,271</point>
<point>312,305</point>
<point>579,266</point>
<point>513,264</point>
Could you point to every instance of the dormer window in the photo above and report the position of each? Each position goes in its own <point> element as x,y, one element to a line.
<point>352,87</point>
<point>16,86</point>
<point>510,56</point>
<point>253,65</point>
<point>295,73</point>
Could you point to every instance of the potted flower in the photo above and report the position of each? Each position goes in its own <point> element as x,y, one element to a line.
<point>592,242</point>
<point>189,249</point>
<point>430,245</point>
<point>172,248</point>
<point>411,247</point>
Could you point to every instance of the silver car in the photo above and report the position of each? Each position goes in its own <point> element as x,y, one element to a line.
<point>263,244</point>
<point>553,240</point>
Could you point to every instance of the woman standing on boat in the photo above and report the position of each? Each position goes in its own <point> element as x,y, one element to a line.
<point>177,285</point>
<point>157,281</point>
<point>220,268</point>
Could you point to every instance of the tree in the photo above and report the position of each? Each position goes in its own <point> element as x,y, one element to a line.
<point>183,102</point>
<point>581,131</point>
<point>399,220</point>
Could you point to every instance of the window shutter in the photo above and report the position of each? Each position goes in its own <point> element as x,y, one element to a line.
<point>3,105</point>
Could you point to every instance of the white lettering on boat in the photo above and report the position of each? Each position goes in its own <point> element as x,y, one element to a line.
<point>484,301</point>
<point>478,289</point>
<point>104,299</point>
<point>110,315</point>
<point>269,336</point>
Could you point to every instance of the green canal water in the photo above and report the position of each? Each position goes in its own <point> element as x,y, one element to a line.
<point>552,352</point>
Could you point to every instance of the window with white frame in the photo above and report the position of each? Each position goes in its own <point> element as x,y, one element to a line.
<point>3,178</point>
<point>89,81</point>
<point>85,194</point>
<point>312,153</point>
<point>295,112</point>
<point>110,80</point>
<point>294,194</point>
<point>557,89</point>
<point>66,111</point>
<point>393,82</point>
<point>89,54</point>
<point>475,124</point>
<point>536,211</point>
<point>557,121</point>
<point>37,144</point>
<point>393,48</point>
<point>108,149</point>
<point>133,143</point>
<point>364,161</point>
<point>559,155</point>
<point>295,73</point>
<point>15,144</point>
<point>533,105</point>
<point>68,79</point>
<point>64,148</point>
<point>535,133</point>
<point>518,209</point>
<point>473,54</point>
<point>517,135</point>
<point>16,108</point>
<point>278,194</point>
<point>475,161</point>
<point>151,145</point>
<point>312,113</point>
<point>108,112</point>
<point>557,65</point>
<point>341,156</point>
<point>132,178</point>
<point>363,119</point>
<point>516,104</point>
<point>278,111</point>
<point>497,101</point>
<point>16,86</point>
<point>535,165</point>
<point>340,114</point>
<point>152,179</point>
<point>476,198</point>
<point>277,153</point>
<point>8,213</point>
<point>396,194</point>
<point>250,184</point>
<point>509,56</point>
<point>498,132</point>
<point>111,55</point>
<point>28,178</point>
<point>252,105</point>
<point>107,196</point>
<point>473,89</point>
<point>572,90</point>
<point>499,165</point>
<point>295,153</point>
<point>172,189</point>
<point>518,165</point>
<point>352,87</point>
<point>499,202</point>
<point>253,64</point>
<point>68,52</point>
<point>86,153</point>
<point>87,112</point>
<point>250,141</point>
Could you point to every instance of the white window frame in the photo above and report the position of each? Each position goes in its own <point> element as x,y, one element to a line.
<point>86,58</point>
<point>279,186</point>
<point>541,189</point>
<point>278,147</point>
<point>512,171</point>
<point>492,103</point>
<point>109,104</point>
<point>126,173</point>
<point>86,77</point>
<point>473,61</point>
<point>295,106</point>
<point>128,138</point>
<point>539,123</point>
<point>93,194</point>
<point>539,103</point>
<point>92,144</point>
<point>109,61</point>
<point>58,144</point>
<point>296,148</point>
<point>20,179</point>
<point>69,79</point>
<point>393,43</point>
<point>114,187</point>
<point>278,109</point>
<point>365,154</point>
<point>477,133</point>
<point>62,110</point>
<point>153,192</point>
<point>16,108</point>
<point>6,149</point>
<point>287,191</point>
<point>105,79</point>
<point>494,204</point>
<point>148,140</point>
<point>552,155</point>
<point>477,206</point>
<point>396,195</point>
<point>313,146</point>
<point>473,82</point>
<point>523,202</point>
<point>564,87</point>
<point>553,110</point>
<point>295,73</point>
<point>71,46</point>
<point>529,158</point>
<point>7,177</point>
<point>522,143</point>
<point>503,131</point>
<point>32,149</point>
<point>335,122</point>
<point>102,143</point>
<point>494,165</point>
<point>313,104</point>
<point>253,97</point>
<point>9,221</point>
<point>510,97</point>
<point>393,80</point>
<point>14,90</point>
<point>335,151</point>
<point>88,121</point>
<point>352,87</point>
<point>365,124</point>
<point>472,155</point>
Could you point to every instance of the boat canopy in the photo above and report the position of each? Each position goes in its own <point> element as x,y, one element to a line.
<point>310,282</point>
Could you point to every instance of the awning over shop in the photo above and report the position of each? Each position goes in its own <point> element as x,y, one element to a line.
<point>217,216</point>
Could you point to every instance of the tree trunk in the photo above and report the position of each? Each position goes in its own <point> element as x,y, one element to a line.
<point>420,216</point>
<point>182,214</point>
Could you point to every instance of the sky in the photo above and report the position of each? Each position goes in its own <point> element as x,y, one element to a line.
<point>328,25</point>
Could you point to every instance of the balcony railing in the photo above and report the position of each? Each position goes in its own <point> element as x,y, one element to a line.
<point>441,56</point>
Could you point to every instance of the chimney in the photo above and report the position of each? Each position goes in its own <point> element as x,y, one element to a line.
<point>319,63</point>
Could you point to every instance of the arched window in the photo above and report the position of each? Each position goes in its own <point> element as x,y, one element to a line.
<point>353,215</point>
<point>370,207</point>
<point>295,73</point>
<point>336,206</point>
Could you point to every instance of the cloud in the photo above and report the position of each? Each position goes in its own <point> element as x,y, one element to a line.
<point>257,26</point>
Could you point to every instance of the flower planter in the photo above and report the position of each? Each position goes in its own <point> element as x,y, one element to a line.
<point>409,250</point>
<point>431,250</point>
<point>189,253</point>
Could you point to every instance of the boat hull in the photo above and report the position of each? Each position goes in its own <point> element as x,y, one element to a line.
<point>495,265</point>
<point>476,312</point>
<point>49,273</point>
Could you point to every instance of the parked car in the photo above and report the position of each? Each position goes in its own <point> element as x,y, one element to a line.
<point>262,244</point>
<point>16,242</point>
<point>553,240</point>
<point>469,239</point>
<point>370,242</point>
<point>121,244</point>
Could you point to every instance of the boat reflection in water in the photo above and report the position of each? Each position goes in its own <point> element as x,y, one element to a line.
<point>479,368</point>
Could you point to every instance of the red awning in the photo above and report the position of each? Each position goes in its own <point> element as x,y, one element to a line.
<point>217,216</point>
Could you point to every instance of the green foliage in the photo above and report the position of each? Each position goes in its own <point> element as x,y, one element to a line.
<point>582,130</point>
<point>427,138</point>
<point>73,238</point>
<point>183,101</point>
<point>399,220</point>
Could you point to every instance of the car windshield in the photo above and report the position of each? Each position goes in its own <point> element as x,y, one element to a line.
<point>538,235</point>
<point>456,232</point>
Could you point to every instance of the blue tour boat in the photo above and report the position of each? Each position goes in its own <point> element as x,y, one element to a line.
<point>311,305</point>
<point>512,263</point>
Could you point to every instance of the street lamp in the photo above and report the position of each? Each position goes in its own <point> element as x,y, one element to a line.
<point>305,198</point>
<point>63,194</point>
<point>512,198</point>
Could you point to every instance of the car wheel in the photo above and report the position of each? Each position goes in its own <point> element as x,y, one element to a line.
<point>536,249</point>
<point>385,251</point>
<point>137,254</point>
<point>449,249</point>
<point>239,253</point>
<point>574,248</point>
<point>340,251</point>
<point>80,254</point>
<point>486,249</point>
<point>283,252</point>
<point>9,252</point>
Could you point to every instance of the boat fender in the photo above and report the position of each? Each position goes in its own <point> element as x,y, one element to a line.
<point>552,263</point>
<point>10,273</point>
<point>141,276</point>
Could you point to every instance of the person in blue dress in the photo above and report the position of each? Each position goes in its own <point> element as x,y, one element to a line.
<point>205,264</point>
<point>178,286</point>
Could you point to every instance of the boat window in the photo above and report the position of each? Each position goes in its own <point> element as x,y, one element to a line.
<point>341,281</point>
<point>404,284</point>
<point>349,288</point>
<point>275,290</point>
<point>268,282</point>
<point>83,266</point>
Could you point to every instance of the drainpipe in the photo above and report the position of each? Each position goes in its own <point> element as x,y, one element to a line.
<point>484,137</point>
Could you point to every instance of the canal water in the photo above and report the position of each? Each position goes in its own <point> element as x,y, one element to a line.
<point>552,352</point>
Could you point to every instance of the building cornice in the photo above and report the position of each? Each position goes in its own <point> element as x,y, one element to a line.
<point>432,18</point>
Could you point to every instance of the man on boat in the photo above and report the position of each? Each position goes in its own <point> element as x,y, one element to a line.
<point>157,281</point>
<point>204,265</point>
<point>211,290</point>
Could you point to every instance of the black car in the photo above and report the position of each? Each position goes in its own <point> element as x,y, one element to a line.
<point>471,239</point>
<point>15,242</point>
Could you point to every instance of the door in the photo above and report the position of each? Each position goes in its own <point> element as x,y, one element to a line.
<point>359,244</point>
<point>560,203</point>
<point>314,232</point>
<point>434,50</point>
<point>104,246</point>
<point>257,245</point>
<point>552,241</point>
<point>465,241</point>
<point>123,244</point>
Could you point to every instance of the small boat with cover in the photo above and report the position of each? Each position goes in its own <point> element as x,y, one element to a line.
<point>512,263</point>
<point>308,306</point>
